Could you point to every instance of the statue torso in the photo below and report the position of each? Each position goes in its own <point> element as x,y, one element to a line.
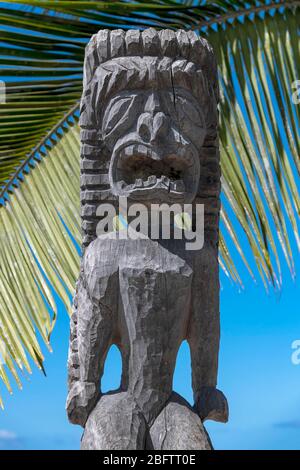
<point>147,287</point>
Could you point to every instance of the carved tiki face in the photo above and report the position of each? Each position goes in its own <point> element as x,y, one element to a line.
<point>148,108</point>
<point>153,134</point>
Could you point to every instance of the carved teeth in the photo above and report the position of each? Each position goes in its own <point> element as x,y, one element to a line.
<point>175,186</point>
<point>152,179</point>
<point>121,184</point>
<point>134,149</point>
<point>138,183</point>
<point>128,151</point>
<point>179,186</point>
<point>165,181</point>
<point>142,150</point>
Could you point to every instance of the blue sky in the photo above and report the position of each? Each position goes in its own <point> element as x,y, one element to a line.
<point>256,373</point>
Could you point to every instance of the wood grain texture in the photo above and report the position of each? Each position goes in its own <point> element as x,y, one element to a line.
<point>149,132</point>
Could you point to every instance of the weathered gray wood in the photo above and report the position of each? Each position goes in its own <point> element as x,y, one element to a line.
<point>149,132</point>
<point>178,427</point>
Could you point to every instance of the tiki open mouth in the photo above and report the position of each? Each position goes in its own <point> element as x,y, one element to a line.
<point>139,170</point>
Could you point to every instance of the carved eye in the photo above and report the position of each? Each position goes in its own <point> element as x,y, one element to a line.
<point>186,114</point>
<point>117,113</point>
<point>186,108</point>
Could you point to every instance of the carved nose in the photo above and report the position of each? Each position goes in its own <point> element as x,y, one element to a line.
<point>160,127</point>
<point>145,126</point>
<point>153,128</point>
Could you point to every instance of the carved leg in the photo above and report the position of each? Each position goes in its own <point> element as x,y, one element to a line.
<point>91,335</point>
<point>116,423</point>
<point>204,336</point>
<point>178,427</point>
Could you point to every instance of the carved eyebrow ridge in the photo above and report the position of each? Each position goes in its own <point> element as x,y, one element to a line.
<point>131,74</point>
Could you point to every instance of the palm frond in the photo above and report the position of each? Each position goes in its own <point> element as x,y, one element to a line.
<point>47,73</point>
<point>257,44</point>
<point>260,146</point>
<point>37,254</point>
